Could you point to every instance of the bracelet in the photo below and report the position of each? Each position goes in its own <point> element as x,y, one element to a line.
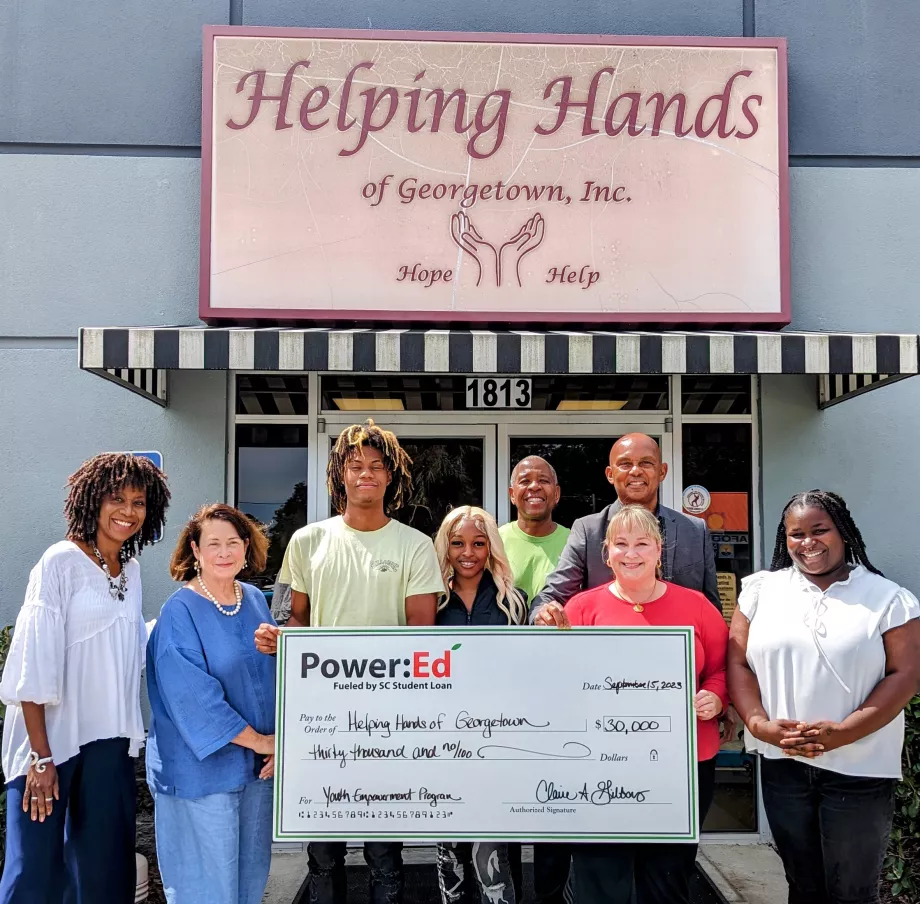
<point>39,763</point>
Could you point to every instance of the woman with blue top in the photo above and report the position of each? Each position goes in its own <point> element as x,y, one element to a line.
<point>480,591</point>
<point>210,751</point>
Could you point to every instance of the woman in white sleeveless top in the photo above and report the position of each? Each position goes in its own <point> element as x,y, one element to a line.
<point>824,656</point>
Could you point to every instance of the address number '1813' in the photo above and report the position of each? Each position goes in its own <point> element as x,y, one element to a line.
<point>498,392</point>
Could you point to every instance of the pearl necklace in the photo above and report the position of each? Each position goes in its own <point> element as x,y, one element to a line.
<point>116,590</point>
<point>237,592</point>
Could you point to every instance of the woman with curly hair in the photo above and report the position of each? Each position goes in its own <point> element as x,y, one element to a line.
<point>71,685</point>
<point>212,728</point>
<point>480,591</point>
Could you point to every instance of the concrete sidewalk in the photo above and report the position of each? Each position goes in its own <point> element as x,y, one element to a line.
<point>745,873</point>
<point>742,873</point>
<point>289,869</point>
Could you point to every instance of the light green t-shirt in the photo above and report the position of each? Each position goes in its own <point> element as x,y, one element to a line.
<point>532,558</point>
<point>360,577</point>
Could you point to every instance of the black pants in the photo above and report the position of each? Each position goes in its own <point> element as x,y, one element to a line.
<point>604,873</point>
<point>326,882</point>
<point>550,871</point>
<point>831,830</point>
<point>84,852</point>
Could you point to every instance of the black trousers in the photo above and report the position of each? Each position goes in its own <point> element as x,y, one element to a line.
<point>604,873</point>
<point>831,830</point>
<point>84,852</point>
<point>551,861</point>
<point>326,882</point>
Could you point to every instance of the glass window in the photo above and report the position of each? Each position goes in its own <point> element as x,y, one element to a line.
<point>722,394</point>
<point>271,484</point>
<point>719,458</point>
<point>579,462</point>
<point>445,473</point>
<point>440,393</point>
<point>271,394</point>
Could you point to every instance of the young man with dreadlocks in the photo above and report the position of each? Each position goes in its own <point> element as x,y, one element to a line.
<point>361,567</point>
<point>824,656</point>
<point>72,688</point>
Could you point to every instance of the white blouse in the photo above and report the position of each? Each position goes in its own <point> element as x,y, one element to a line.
<point>819,655</point>
<point>80,653</point>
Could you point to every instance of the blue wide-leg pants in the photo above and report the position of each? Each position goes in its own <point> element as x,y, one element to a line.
<point>215,849</point>
<point>84,852</point>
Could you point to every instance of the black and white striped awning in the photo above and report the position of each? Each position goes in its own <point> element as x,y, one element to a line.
<point>138,357</point>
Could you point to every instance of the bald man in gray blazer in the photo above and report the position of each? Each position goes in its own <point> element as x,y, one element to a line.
<point>636,471</point>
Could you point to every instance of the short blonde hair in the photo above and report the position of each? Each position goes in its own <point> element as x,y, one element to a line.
<point>632,519</point>
<point>510,599</point>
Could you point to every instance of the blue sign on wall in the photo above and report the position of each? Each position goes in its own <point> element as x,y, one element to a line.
<point>157,459</point>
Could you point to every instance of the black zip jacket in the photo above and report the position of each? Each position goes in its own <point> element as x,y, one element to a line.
<point>485,611</point>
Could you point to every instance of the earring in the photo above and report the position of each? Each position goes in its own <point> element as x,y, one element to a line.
<point>197,567</point>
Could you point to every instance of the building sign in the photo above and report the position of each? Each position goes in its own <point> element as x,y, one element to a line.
<point>157,459</point>
<point>393,176</point>
<point>499,392</point>
<point>728,593</point>
<point>696,500</point>
<point>722,512</point>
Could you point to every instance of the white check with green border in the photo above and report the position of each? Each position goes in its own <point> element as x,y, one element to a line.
<point>512,734</point>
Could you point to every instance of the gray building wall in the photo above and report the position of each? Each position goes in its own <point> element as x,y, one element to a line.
<point>855,266</point>
<point>864,448</point>
<point>58,416</point>
<point>99,170</point>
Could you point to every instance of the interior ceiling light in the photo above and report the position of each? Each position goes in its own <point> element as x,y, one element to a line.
<point>369,404</point>
<point>591,404</point>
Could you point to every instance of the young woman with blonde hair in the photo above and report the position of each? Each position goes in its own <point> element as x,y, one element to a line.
<point>475,569</point>
<point>479,591</point>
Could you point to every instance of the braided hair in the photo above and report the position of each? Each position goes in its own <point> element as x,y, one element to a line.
<point>836,508</point>
<point>104,475</point>
<point>395,460</point>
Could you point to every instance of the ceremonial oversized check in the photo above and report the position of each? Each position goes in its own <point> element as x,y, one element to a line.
<point>518,734</point>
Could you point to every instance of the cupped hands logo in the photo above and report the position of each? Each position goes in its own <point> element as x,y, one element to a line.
<point>504,258</point>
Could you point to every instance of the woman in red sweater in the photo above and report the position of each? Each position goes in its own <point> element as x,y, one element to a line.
<point>604,873</point>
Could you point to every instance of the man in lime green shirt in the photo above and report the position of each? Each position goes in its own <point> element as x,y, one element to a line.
<point>534,543</point>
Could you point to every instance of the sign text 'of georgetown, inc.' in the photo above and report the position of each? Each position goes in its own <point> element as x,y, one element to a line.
<point>379,176</point>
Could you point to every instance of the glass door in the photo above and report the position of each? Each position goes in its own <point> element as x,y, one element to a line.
<point>270,484</point>
<point>579,453</point>
<point>452,464</point>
